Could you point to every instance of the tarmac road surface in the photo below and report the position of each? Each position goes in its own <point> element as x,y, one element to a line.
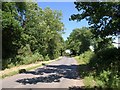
<point>58,74</point>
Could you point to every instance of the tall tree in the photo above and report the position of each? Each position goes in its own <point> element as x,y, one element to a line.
<point>11,29</point>
<point>28,29</point>
<point>102,16</point>
<point>53,31</point>
<point>79,40</point>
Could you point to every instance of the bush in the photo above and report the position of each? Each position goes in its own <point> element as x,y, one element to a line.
<point>104,76</point>
<point>30,58</point>
<point>104,67</point>
<point>107,65</point>
<point>47,58</point>
<point>41,58</point>
<point>25,50</point>
<point>24,56</point>
<point>99,83</point>
<point>86,56</point>
<point>89,81</point>
<point>108,79</point>
<point>37,57</point>
<point>106,58</point>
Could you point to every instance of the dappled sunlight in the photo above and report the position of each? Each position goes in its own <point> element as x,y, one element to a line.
<point>51,73</point>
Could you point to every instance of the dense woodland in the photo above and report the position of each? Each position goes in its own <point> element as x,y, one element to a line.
<point>30,34</point>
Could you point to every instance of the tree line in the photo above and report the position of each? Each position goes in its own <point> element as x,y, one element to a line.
<point>30,33</point>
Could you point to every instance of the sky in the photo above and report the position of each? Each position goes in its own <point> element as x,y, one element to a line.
<point>67,8</point>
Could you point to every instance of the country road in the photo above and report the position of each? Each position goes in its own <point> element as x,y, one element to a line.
<point>58,74</point>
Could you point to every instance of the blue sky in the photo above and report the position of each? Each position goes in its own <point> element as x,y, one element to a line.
<point>67,8</point>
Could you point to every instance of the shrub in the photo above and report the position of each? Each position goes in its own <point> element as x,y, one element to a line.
<point>107,66</point>
<point>106,58</point>
<point>89,81</point>
<point>47,58</point>
<point>24,56</point>
<point>36,57</point>
<point>86,56</point>
<point>31,58</point>
<point>99,82</point>
<point>108,79</point>
<point>41,58</point>
<point>25,50</point>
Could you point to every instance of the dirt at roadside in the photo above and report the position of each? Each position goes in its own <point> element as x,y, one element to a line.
<point>16,68</point>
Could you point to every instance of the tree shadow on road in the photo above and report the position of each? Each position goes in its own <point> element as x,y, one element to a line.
<point>84,70</point>
<point>51,73</point>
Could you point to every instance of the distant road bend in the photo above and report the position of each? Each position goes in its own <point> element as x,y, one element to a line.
<point>58,74</point>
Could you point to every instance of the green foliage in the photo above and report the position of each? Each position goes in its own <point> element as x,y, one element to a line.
<point>29,59</point>
<point>30,33</point>
<point>79,60</point>
<point>47,58</point>
<point>100,44</point>
<point>110,56</point>
<point>106,63</point>
<point>104,76</point>
<point>10,30</point>
<point>41,58</point>
<point>108,79</point>
<point>102,16</point>
<point>86,56</point>
<point>102,68</point>
<point>79,40</point>
<point>89,81</point>
<point>37,57</point>
<point>99,83</point>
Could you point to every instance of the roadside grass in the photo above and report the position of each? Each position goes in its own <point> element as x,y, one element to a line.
<point>85,72</point>
<point>89,81</point>
<point>13,71</point>
<point>9,74</point>
<point>100,69</point>
<point>78,60</point>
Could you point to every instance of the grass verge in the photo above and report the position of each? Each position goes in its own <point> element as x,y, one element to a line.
<point>83,71</point>
<point>13,71</point>
<point>78,60</point>
<point>100,69</point>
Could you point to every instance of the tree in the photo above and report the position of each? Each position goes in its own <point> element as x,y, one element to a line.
<point>54,28</point>
<point>79,40</point>
<point>27,30</point>
<point>103,18</point>
<point>11,29</point>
